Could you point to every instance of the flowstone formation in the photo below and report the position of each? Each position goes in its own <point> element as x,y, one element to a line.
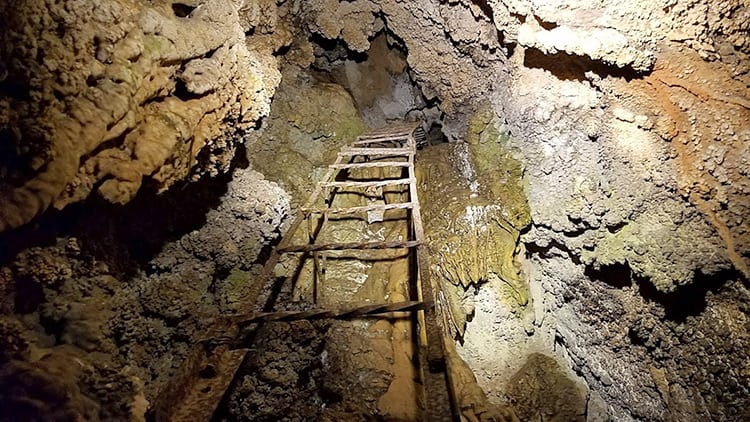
<point>474,211</point>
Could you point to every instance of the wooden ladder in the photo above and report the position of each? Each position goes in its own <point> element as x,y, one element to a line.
<point>194,393</point>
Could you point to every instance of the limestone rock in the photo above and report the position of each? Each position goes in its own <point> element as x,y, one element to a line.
<point>106,94</point>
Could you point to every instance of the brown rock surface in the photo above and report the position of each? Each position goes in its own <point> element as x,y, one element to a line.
<point>629,125</point>
<point>105,94</point>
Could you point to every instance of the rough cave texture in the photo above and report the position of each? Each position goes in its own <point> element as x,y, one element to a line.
<point>613,139</point>
<point>97,96</point>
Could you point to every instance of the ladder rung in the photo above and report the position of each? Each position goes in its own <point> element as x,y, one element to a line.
<point>371,164</point>
<point>370,309</point>
<point>379,138</point>
<point>350,246</point>
<point>353,210</point>
<point>392,130</point>
<point>375,183</point>
<point>376,151</point>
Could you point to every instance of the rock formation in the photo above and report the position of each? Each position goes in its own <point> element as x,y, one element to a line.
<point>99,95</point>
<point>605,146</point>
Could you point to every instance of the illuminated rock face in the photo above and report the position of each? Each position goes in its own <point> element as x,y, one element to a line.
<point>112,94</point>
<point>631,122</point>
<point>626,126</point>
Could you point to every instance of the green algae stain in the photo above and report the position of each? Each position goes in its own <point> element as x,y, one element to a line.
<point>501,181</point>
<point>500,175</point>
<point>236,287</point>
<point>309,123</point>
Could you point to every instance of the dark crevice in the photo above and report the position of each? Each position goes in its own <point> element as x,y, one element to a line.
<point>485,8</point>
<point>182,92</point>
<point>616,275</point>
<point>685,301</point>
<point>208,372</point>
<point>15,163</point>
<point>567,66</point>
<point>577,231</point>
<point>282,51</point>
<point>266,251</point>
<point>92,81</point>
<point>335,50</point>
<point>553,248</point>
<point>511,49</point>
<point>544,24</point>
<point>521,18</point>
<point>635,338</point>
<point>53,327</point>
<point>28,296</point>
<point>182,10</point>
<point>614,228</point>
<point>15,89</point>
<point>435,134</point>
<point>690,299</point>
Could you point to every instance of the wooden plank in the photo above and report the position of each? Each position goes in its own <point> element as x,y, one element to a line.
<point>349,151</point>
<point>350,246</point>
<point>349,312</point>
<point>354,210</point>
<point>380,138</point>
<point>370,164</point>
<point>400,130</point>
<point>374,183</point>
<point>202,380</point>
<point>357,144</point>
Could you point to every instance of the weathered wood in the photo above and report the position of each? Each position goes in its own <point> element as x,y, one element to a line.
<point>355,210</point>
<point>374,183</point>
<point>201,382</point>
<point>351,312</point>
<point>373,140</point>
<point>350,246</point>
<point>376,151</point>
<point>371,164</point>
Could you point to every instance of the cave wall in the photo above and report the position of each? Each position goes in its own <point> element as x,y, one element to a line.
<point>615,96</point>
<point>98,96</point>
<point>630,121</point>
<point>643,105</point>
